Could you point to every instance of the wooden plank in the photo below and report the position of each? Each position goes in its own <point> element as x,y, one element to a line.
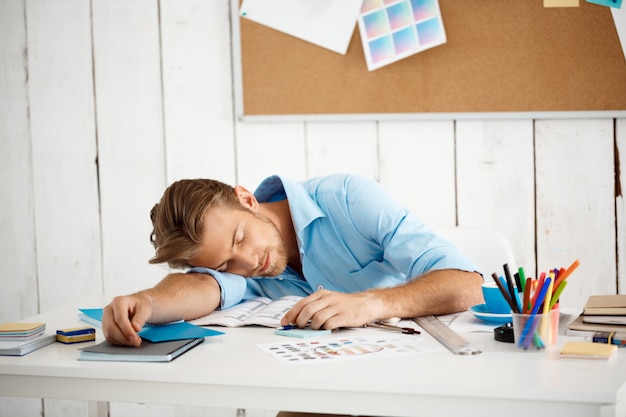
<point>417,167</point>
<point>64,158</point>
<point>620,202</point>
<point>268,149</point>
<point>130,138</point>
<point>197,91</point>
<point>17,241</point>
<point>495,177</point>
<point>342,147</point>
<point>64,150</point>
<point>18,297</point>
<point>576,204</point>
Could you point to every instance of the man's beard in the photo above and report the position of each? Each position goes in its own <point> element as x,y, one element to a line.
<point>280,256</point>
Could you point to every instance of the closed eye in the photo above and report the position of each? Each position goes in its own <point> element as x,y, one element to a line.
<point>243,237</point>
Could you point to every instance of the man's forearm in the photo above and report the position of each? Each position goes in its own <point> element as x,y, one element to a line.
<point>438,292</point>
<point>182,296</point>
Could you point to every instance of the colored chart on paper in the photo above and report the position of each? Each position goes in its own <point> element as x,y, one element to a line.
<point>395,29</point>
<point>348,348</point>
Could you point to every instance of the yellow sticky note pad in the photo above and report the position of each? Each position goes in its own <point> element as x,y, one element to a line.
<point>588,350</point>
<point>561,3</point>
<point>20,327</point>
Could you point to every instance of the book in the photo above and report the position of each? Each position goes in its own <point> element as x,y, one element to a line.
<point>578,325</point>
<point>259,311</point>
<point>146,352</point>
<point>605,305</point>
<point>587,350</point>
<point>621,320</point>
<point>21,331</point>
<point>23,347</point>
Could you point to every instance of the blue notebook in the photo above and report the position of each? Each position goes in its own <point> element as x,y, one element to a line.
<point>178,330</point>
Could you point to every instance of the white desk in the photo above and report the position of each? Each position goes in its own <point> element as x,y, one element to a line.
<point>231,371</point>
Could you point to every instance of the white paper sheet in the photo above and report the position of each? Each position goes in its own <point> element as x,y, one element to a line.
<point>326,23</point>
<point>619,17</point>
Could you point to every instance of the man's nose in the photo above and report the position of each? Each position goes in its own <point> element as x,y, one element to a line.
<point>248,260</point>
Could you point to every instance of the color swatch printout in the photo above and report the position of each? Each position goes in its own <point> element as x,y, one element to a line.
<point>395,29</point>
<point>355,347</point>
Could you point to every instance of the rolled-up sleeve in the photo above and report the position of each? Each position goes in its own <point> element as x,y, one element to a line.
<point>232,287</point>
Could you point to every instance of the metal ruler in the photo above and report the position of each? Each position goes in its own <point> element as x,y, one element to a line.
<point>446,336</point>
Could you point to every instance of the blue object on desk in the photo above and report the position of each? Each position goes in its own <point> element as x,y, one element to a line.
<point>159,333</point>
<point>301,333</point>
<point>175,331</point>
<point>91,315</point>
<point>481,312</point>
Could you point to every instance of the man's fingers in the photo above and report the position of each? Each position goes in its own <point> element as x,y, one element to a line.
<point>139,318</point>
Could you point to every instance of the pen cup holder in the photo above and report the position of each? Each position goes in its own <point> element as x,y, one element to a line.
<point>536,331</point>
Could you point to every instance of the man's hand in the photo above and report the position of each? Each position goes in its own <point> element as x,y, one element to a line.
<point>330,310</point>
<point>124,317</point>
<point>434,293</point>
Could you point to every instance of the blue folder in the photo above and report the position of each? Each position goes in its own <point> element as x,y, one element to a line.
<point>179,330</point>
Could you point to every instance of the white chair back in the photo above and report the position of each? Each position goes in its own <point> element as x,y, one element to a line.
<point>489,249</point>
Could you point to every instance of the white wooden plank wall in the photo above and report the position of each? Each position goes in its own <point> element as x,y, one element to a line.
<point>104,103</point>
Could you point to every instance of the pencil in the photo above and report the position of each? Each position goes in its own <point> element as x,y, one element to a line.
<point>405,330</point>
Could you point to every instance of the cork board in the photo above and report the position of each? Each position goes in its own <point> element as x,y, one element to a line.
<point>500,56</point>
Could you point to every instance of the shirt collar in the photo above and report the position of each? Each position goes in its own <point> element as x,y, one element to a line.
<point>304,209</point>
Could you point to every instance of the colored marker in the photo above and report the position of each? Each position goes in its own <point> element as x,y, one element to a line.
<point>503,290</point>
<point>512,291</point>
<point>563,276</point>
<point>522,277</point>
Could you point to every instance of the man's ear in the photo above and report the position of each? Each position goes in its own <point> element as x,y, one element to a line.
<point>246,198</point>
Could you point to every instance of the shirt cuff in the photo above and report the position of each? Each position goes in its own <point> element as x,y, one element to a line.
<point>232,287</point>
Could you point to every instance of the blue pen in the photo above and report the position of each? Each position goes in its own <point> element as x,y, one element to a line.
<point>287,327</point>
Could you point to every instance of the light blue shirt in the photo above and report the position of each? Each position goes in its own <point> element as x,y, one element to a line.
<point>352,236</point>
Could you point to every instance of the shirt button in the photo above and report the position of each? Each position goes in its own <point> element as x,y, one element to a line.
<point>320,287</point>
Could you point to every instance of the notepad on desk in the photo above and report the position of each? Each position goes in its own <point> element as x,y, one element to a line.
<point>588,350</point>
<point>146,352</point>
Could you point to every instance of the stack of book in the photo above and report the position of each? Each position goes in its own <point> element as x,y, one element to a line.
<point>602,313</point>
<point>18,339</point>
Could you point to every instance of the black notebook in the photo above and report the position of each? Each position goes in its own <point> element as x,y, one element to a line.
<point>146,352</point>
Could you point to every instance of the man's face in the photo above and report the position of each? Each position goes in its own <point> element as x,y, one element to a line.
<point>241,242</point>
